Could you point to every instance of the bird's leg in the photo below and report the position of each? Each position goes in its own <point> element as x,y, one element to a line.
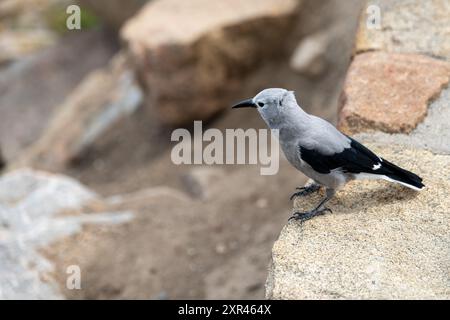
<point>319,210</point>
<point>306,190</point>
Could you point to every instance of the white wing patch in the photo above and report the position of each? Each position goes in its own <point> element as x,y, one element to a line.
<point>376,166</point>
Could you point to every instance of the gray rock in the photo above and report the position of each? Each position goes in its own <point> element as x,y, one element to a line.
<point>32,89</point>
<point>31,204</point>
<point>408,26</point>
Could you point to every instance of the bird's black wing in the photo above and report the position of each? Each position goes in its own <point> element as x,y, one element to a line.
<point>354,159</point>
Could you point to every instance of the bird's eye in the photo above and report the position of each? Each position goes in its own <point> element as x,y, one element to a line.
<point>261,104</point>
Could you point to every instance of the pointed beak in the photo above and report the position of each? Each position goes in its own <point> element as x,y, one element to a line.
<point>245,104</point>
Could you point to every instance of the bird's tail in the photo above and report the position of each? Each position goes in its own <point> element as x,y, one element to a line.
<point>396,174</point>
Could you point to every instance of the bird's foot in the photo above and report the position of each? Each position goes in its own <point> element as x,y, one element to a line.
<point>304,191</point>
<point>303,216</point>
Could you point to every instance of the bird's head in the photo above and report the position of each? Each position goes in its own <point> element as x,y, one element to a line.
<point>273,104</point>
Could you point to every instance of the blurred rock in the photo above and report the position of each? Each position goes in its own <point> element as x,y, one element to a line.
<point>31,89</point>
<point>113,12</point>
<point>390,92</point>
<point>32,207</point>
<point>309,56</point>
<point>382,241</point>
<point>15,45</point>
<point>100,101</point>
<point>189,60</point>
<point>25,29</point>
<point>409,27</point>
<point>10,8</point>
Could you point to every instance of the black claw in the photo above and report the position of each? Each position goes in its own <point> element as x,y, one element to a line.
<point>294,195</point>
<point>303,216</point>
<point>304,191</point>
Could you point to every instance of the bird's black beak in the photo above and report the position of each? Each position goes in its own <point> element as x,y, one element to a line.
<point>245,104</point>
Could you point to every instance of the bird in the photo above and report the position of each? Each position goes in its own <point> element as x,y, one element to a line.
<point>320,151</point>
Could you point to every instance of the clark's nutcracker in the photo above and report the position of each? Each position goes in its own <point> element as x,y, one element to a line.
<point>320,151</point>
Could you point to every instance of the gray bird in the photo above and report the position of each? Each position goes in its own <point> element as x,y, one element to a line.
<point>320,151</point>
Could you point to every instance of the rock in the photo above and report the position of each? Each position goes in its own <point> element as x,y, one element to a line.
<point>15,45</point>
<point>24,31</point>
<point>309,56</point>
<point>432,134</point>
<point>408,27</point>
<point>32,207</point>
<point>190,60</point>
<point>382,241</point>
<point>9,8</point>
<point>100,101</point>
<point>25,110</point>
<point>390,92</point>
<point>114,13</point>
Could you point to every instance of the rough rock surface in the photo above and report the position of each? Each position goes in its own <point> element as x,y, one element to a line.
<point>382,240</point>
<point>408,26</point>
<point>32,207</point>
<point>432,134</point>
<point>390,92</point>
<point>85,115</point>
<point>189,60</point>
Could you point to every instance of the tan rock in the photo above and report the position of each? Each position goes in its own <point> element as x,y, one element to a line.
<point>101,100</point>
<point>382,241</point>
<point>189,59</point>
<point>408,26</point>
<point>390,92</point>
